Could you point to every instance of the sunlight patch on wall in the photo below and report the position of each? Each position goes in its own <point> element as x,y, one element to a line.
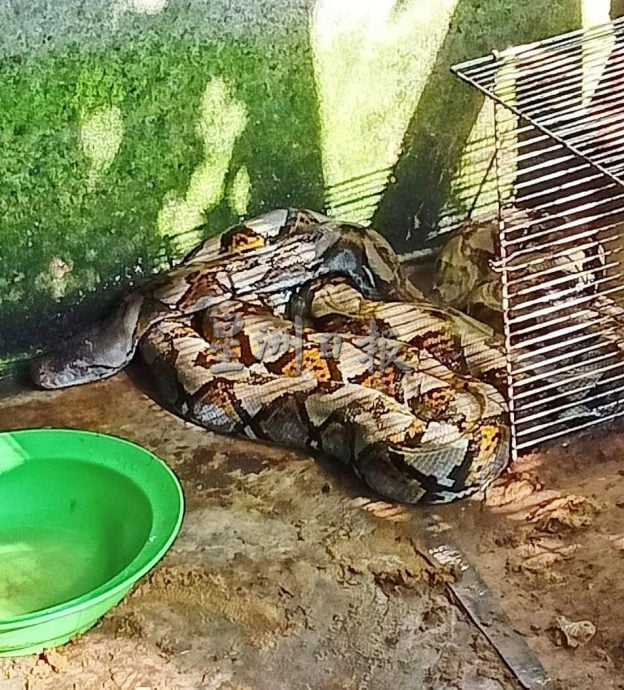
<point>147,6</point>
<point>484,178</point>
<point>372,60</point>
<point>239,195</point>
<point>120,8</point>
<point>55,280</point>
<point>507,124</point>
<point>475,188</point>
<point>222,120</point>
<point>101,133</point>
<point>595,12</point>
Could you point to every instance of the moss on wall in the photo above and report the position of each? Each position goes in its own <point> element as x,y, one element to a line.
<point>121,132</point>
<point>106,153</point>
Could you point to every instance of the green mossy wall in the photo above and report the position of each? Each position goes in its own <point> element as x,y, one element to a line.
<point>220,113</point>
<point>66,235</point>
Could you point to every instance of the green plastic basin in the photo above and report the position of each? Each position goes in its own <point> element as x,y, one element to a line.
<point>82,517</point>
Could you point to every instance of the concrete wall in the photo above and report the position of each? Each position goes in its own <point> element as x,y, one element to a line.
<point>129,129</point>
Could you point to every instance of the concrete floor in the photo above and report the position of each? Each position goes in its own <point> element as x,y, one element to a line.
<point>287,574</point>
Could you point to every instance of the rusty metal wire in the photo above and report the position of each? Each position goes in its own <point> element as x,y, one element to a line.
<point>559,140</point>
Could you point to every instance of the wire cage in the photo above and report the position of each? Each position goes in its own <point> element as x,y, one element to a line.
<point>559,154</point>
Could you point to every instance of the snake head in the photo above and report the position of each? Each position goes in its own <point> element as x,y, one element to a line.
<point>97,353</point>
<point>60,371</point>
<point>80,362</point>
<point>49,372</point>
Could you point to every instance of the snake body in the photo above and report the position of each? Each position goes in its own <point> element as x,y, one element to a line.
<point>418,410</point>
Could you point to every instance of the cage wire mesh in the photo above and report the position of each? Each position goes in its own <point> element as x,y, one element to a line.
<point>559,159</point>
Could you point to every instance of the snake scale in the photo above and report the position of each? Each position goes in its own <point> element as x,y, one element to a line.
<point>298,330</point>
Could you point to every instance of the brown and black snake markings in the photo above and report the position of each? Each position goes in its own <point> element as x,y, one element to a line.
<point>328,347</point>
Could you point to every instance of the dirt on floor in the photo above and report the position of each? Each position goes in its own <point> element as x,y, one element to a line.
<point>287,574</point>
<point>549,543</point>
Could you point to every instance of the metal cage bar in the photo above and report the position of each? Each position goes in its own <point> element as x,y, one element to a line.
<point>559,157</point>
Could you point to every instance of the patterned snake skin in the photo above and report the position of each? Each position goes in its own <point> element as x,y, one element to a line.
<point>297,330</point>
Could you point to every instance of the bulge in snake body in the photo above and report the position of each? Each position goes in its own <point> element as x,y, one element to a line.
<point>346,413</point>
<point>106,348</point>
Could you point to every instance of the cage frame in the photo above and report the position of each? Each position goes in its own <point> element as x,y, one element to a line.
<point>592,61</point>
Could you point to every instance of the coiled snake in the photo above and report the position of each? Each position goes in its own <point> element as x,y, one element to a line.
<point>294,329</point>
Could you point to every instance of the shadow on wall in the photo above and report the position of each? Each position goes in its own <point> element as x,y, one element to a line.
<point>112,155</point>
<point>448,110</point>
